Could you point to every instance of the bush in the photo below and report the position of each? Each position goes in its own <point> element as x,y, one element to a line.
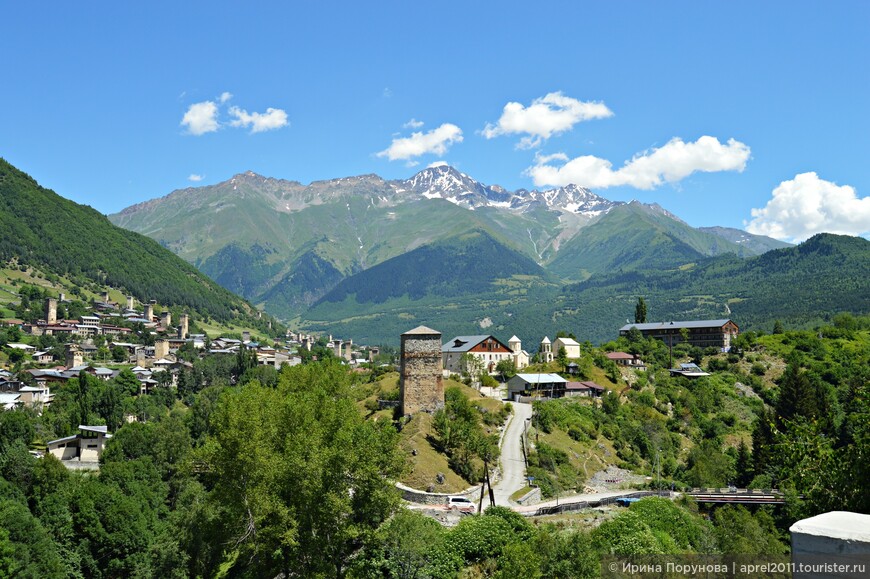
<point>479,538</point>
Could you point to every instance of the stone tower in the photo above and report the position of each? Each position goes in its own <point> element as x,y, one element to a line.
<point>421,386</point>
<point>182,328</point>
<point>161,349</point>
<point>546,350</point>
<point>165,319</point>
<point>129,302</point>
<point>149,312</point>
<point>51,311</point>
<point>74,356</point>
<point>348,350</point>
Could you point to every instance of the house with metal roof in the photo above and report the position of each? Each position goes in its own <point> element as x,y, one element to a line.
<point>544,385</point>
<point>488,349</point>
<point>82,450</point>
<point>700,333</point>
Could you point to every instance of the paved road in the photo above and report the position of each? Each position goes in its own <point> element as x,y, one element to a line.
<point>513,466</point>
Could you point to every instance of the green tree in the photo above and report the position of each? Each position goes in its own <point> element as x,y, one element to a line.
<point>562,357</point>
<point>640,311</point>
<point>302,478</point>
<point>506,368</point>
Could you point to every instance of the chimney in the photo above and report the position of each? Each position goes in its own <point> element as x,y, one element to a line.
<point>165,319</point>
<point>182,329</point>
<point>149,312</point>
<point>50,311</point>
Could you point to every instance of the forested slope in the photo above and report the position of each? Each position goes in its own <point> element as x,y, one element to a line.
<point>40,228</point>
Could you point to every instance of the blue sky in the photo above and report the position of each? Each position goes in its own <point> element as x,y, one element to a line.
<point>712,109</point>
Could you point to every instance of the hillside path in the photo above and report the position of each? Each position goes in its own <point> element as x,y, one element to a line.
<point>513,465</point>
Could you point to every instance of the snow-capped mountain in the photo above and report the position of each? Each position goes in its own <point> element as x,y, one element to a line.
<point>445,182</point>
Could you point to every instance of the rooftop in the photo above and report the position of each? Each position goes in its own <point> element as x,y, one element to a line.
<point>691,324</point>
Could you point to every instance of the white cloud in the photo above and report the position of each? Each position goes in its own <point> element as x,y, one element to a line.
<point>258,122</point>
<point>547,116</point>
<point>807,205</point>
<point>201,118</point>
<point>436,141</point>
<point>670,163</point>
<point>413,124</point>
<point>225,96</point>
<point>436,164</point>
<point>195,178</point>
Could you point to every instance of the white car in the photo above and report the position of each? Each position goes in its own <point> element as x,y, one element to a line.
<point>461,504</point>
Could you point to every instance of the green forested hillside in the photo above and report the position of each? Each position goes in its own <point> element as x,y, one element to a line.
<point>40,228</point>
<point>466,264</point>
<point>802,285</point>
<point>634,237</point>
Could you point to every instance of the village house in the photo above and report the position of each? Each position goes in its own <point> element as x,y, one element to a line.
<point>700,333</point>
<point>487,349</point>
<point>625,359</point>
<point>588,389</point>
<point>10,400</point>
<point>543,385</point>
<point>84,448</point>
<point>572,348</point>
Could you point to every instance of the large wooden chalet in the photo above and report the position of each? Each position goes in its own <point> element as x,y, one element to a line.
<point>488,349</point>
<point>700,333</point>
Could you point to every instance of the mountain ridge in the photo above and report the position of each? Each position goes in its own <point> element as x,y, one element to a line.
<point>335,228</point>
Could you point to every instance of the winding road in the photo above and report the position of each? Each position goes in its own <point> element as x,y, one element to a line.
<point>513,465</point>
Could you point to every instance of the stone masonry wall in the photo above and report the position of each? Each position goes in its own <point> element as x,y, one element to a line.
<point>421,386</point>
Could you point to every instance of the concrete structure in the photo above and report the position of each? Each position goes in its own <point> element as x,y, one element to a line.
<point>51,311</point>
<point>544,385</point>
<point>183,327</point>
<point>165,320</point>
<point>546,350</point>
<point>149,313</point>
<point>700,333</point>
<point>572,348</point>
<point>837,537</point>
<point>421,386</point>
<point>487,349</point>
<point>87,446</point>
<point>520,356</point>
<point>74,356</point>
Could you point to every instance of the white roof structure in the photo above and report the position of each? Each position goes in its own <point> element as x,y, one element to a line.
<point>8,401</point>
<point>17,346</point>
<point>843,525</point>
<point>542,378</point>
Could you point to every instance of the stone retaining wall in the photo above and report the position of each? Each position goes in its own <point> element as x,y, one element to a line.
<point>424,498</point>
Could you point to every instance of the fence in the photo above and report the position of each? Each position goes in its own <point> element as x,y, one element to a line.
<point>580,505</point>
